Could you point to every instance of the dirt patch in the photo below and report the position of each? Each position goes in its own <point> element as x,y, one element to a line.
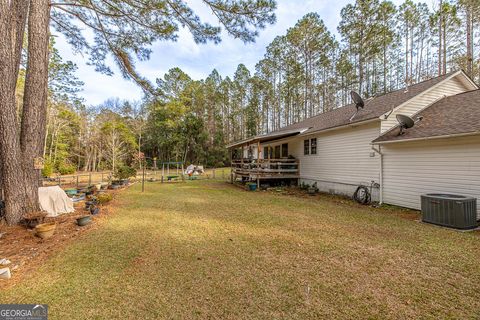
<point>27,252</point>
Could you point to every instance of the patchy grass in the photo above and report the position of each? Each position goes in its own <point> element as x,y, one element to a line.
<point>206,249</point>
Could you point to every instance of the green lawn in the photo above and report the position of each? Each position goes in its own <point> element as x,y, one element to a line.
<point>209,250</point>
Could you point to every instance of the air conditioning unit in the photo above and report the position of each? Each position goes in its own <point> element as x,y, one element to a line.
<point>450,210</point>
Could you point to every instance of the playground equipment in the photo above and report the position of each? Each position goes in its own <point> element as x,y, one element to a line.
<point>178,166</point>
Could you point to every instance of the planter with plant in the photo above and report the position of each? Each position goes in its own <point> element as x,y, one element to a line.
<point>313,189</point>
<point>104,198</point>
<point>251,186</point>
<point>123,173</point>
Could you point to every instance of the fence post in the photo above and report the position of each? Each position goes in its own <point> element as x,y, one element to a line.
<point>102,177</point>
<point>213,173</point>
<point>77,181</point>
<point>90,179</point>
<point>59,181</point>
<point>163,170</point>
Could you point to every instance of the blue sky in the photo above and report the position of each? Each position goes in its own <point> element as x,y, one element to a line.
<point>199,60</point>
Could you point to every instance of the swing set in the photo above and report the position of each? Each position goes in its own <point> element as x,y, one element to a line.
<point>172,176</point>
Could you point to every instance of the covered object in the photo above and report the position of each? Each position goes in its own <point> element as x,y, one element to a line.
<point>54,201</point>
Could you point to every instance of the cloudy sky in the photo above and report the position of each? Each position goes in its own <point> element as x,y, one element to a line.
<point>199,60</point>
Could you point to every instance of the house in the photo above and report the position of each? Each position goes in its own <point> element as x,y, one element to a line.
<point>341,149</point>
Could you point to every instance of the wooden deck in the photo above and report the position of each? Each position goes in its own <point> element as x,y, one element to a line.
<point>263,169</point>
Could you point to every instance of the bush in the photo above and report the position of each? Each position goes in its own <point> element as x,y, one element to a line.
<point>47,170</point>
<point>125,172</point>
<point>104,198</point>
<point>66,168</point>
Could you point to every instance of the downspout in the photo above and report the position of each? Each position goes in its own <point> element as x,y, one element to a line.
<point>381,172</point>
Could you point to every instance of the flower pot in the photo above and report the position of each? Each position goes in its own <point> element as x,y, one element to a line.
<point>83,221</point>
<point>79,197</point>
<point>94,210</point>
<point>71,192</point>
<point>252,187</point>
<point>45,230</point>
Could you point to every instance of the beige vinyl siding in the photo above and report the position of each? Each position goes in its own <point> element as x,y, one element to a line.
<point>432,166</point>
<point>447,88</point>
<point>343,156</point>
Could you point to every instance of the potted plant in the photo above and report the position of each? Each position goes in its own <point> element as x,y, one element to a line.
<point>104,198</point>
<point>45,230</point>
<point>123,173</point>
<point>312,189</point>
<point>251,186</point>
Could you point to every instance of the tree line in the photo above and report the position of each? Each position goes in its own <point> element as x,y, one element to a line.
<point>304,72</point>
<point>382,47</point>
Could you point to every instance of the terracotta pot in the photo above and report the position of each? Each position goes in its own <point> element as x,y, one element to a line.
<point>45,230</point>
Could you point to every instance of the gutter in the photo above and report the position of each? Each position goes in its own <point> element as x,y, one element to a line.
<point>455,135</point>
<point>350,125</point>
<point>381,172</point>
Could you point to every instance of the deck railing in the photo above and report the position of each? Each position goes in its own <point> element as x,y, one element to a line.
<point>266,168</point>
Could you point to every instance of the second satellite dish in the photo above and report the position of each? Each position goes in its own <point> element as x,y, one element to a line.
<point>357,100</point>
<point>359,104</point>
<point>406,122</point>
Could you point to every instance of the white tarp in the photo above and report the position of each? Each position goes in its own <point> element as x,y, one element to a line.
<point>194,170</point>
<point>54,201</point>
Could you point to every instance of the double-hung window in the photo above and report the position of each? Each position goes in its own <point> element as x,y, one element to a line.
<point>306,147</point>
<point>313,146</point>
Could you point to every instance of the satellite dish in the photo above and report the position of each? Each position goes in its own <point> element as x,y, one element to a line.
<point>359,104</point>
<point>357,99</point>
<point>406,122</point>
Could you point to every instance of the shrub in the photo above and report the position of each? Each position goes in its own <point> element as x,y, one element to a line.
<point>124,172</point>
<point>66,168</point>
<point>104,198</point>
<point>47,170</point>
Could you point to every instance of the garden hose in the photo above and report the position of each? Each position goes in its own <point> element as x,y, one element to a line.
<point>362,195</point>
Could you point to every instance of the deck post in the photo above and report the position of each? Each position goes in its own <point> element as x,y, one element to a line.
<point>258,165</point>
<point>231,166</point>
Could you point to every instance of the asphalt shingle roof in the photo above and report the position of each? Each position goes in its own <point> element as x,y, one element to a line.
<point>457,114</point>
<point>374,108</point>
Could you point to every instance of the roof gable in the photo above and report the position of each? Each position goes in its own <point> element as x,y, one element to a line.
<point>452,115</point>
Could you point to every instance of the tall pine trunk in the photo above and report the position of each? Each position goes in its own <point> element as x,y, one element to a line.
<point>440,27</point>
<point>21,143</point>
<point>34,115</point>
<point>469,27</point>
<point>12,27</point>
